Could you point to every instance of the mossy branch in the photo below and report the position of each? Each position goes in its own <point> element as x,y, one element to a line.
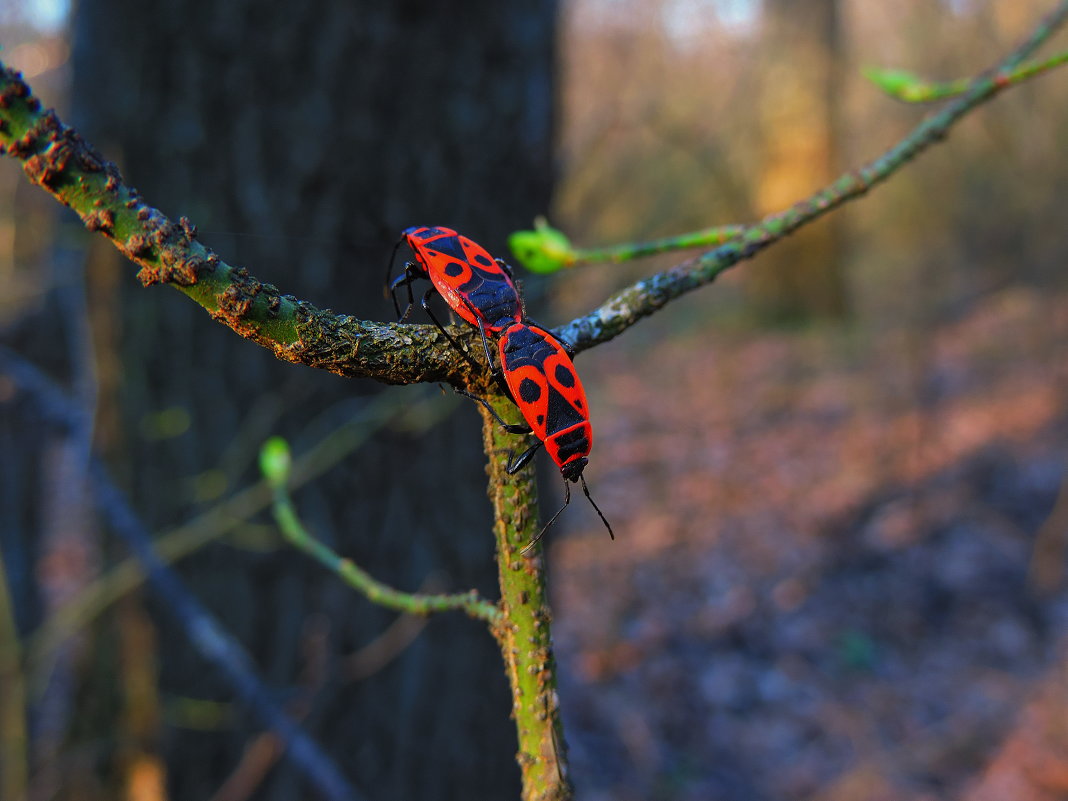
<point>524,631</point>
<point>56,158</point>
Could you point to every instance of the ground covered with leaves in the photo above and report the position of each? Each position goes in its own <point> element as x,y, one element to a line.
<point>838,572</point>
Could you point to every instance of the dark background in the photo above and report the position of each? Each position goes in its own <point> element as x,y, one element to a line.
<point>834,475</point>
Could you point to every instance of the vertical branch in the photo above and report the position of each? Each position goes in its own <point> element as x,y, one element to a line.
<point>524,632</point>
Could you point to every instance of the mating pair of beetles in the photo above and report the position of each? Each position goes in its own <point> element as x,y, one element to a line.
<point>535,370</point>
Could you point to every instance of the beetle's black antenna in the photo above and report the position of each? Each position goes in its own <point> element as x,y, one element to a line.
<point>567,500</point>
<point>389,271</point>
<point>547,526</point>
<point>600,514</point>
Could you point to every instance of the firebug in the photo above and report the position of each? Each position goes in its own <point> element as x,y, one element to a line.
<point>541,378</point>
<point>479,288</point>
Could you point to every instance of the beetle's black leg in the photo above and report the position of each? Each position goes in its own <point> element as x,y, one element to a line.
<point>389,269</point>
<point>404,279</point>
<point>498,372</point>
<point>426,307</point>
<point>511,428</point>
<point>517,464</point>
<point>481,329</point>
<point>485,343</point>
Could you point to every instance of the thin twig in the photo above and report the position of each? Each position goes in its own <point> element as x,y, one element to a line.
<point>649,295</point>
<point>359,579</point>
<point>910,88</point>
<point>205,634</point>
<point>184,540</point>
<point>706,237</point>
<point>383,649</point>
<point>546,249</point>
<point>215,644</point>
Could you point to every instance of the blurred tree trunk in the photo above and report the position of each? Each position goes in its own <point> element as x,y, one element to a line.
<point>301,138</point>
<point>801,277</point>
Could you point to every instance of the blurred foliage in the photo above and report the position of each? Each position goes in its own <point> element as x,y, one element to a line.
<point>660,137</point>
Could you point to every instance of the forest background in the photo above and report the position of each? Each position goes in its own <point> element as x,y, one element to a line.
<point>835,475</point>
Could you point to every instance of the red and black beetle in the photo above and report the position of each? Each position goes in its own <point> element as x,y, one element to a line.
<point>479,288</point>
<point>536,369</point>
<point>542,380</point>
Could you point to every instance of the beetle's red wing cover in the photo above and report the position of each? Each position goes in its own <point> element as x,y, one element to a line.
<point>546,387</point>
<point>466,276</point>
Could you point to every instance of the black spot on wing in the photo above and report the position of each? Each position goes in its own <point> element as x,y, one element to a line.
<point>565,376</point>
<point>453,269</point>
<point>529,391</point>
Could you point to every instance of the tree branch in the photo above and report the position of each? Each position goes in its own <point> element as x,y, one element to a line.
<point>524,631</point>
<point>903,85</point>
<point>274,464</point>
<point>205,634</point>
<point>546,249</point>
<point>649,295</point>
<point>181,541</point>
<point>56,158</point>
